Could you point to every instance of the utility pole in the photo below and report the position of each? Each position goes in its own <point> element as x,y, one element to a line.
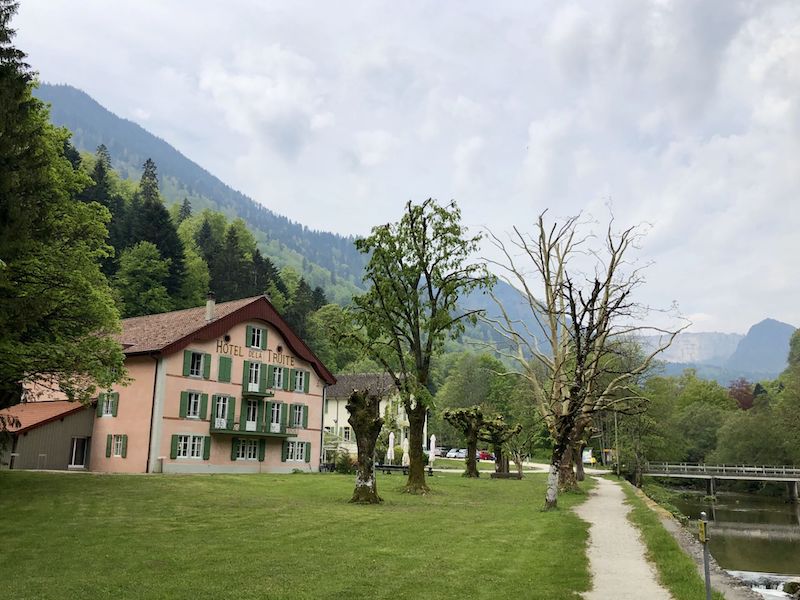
<point>616,442</point>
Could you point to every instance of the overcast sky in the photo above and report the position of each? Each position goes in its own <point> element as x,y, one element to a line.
<point>684,115</point>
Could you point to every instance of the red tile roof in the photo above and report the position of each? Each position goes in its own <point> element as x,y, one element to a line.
<point>34,414</point>
<point>171,332</point>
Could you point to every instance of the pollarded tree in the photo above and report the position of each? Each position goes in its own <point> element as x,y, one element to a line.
<point>498,433</point>
<point>470,422</point>
<point>365,419</point>
<point>587,315</point>
<point>418,269</point>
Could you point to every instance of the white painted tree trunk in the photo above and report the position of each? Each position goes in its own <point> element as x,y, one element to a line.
<point>551,497</point>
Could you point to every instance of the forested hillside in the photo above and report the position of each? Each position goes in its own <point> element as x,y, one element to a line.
<point>325,259</point>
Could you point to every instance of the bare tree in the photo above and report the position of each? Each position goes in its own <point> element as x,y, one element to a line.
<point>588,319</point>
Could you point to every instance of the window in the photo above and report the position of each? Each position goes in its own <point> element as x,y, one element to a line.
<point>77,455</point>
<point>326,429</point>
<point>254,376</point>
<point>222,408</point>
<point>117,445</point>
<point>256,335</point>
<point>108,405</point>
<point>296,451</point>
<point>299,381</point>
<point>297,415</point>
<point>252,414</point>
<point>190,446</point>
<point>248,450</point>
<point>193,405</point>
<point>196,365</point>
<point>277,378</point>
<point>346,434</point>
<point>326,406</point>
<point>275,418</point>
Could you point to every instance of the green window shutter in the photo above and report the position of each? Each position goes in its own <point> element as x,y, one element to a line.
<point>206,447</point>
<point>234,448</point>
<point>203,405</point>
<point>173,448</point>
<point>264,338</point>
<point>213,415</point>
<point>291,379</point>
<point>284,451</point>
<point>308,452</point>
<point>284,415</point>
<point>231,411</point>
<point>260,415</point>
<point>100,399</point>
<point>114,403</point>
<point>206,366</point>
<point>305,416</point>
<point>287,377</point>
<point>224,374</point>
<point>248,336</point>
<point>262,449</point>
<point>108,446</point>
<point>262,379</point>
<point>268,417</point>
<point>187,362</point>
<point>306,379</point>
<point>184,405</point>
<point>124,446</point>
<point>245,374</point>
<point>270,376</point>
<point>243,415</point>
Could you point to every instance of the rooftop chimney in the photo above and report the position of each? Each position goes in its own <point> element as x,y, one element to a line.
<point>210,302</point>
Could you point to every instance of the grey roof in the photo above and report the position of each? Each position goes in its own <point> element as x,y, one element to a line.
<point>379,383</point>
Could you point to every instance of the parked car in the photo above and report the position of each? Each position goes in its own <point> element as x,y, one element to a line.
<point>452,453</point>
<point>485,455</point>
<point>461,453</point>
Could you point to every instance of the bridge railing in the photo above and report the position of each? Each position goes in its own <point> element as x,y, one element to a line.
<point>703,469</point>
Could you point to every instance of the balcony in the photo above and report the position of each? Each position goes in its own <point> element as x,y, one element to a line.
<point>256,391</point>
<point>251,429</point>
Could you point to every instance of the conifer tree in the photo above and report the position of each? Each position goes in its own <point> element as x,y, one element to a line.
<point>185,211</point>
<point>152,223</point>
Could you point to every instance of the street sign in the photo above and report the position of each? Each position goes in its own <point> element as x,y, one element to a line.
<point>703,535</point>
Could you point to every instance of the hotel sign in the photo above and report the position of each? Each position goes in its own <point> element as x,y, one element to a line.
<point>275,358</point>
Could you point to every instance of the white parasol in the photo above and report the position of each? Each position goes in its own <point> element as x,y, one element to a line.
<point>432,450</point>
<point>406,457</point>
<point>390,450</point>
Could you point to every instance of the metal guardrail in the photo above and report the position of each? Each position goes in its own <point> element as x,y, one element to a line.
<point>703,469</point>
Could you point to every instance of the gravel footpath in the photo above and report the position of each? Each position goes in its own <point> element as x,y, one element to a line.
<point>616,553</point>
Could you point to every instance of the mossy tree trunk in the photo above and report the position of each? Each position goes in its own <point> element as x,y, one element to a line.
<point>470,422</point>
<point>365,419</point>
<point>416,469</point>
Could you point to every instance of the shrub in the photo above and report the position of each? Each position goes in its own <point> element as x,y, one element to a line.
<point>345,463</point>
<point>398,455</point>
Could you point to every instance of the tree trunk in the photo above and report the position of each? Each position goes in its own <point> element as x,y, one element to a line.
<point>579,473</point>
<point>566,474</point>
<point>416,469</point>
<point>364,409</point>
<point>472,449</point>
<point>500,462</point>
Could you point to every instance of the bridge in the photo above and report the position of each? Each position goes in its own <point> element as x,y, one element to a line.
<point>711,473</point>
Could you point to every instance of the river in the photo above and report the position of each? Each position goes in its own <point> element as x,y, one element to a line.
<point>753,536</point>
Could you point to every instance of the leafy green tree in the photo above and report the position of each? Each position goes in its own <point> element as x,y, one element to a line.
<point>57,316</point>
<point>195,281</point>
<point>753,437</point>
<point>418,270</point>
<point>700,424</point>
<point>470,422</point>
<point>322,326</point>
<point>141,281</point>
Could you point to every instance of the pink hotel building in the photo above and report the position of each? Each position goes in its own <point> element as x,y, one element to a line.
<point>225,388</point>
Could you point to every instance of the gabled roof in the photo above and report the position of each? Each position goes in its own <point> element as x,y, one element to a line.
<point>378,383</point>
<point>171,332</point>
<point>35,414</point>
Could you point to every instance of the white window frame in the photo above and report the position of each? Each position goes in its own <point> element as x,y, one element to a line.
<point>247,450</point>
<point>254,377</point>
<point>198,372</point>
<point>223,404</point>
<point>108,406</point>
<point>190,446</point>
<point>297,415</point>
<point>299,381</point>
<point>346,433</point>
<point>277,378</point>
<point>193,405</point>
<point>296,452</point>
<point>116,445</point>
<point>73,445</point>
<point>256,335</point>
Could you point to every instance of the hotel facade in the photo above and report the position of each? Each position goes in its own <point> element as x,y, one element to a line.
<point>225,388</point>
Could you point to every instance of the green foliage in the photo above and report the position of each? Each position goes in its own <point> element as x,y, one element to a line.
<point>56,310</point>
<point>700,424</point>
<point>141,281</point>
<point>755,438</point>
<point>345,464</point>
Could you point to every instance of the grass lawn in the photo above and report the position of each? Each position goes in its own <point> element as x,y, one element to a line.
<point>676,571</point>
<point>283,536</point>
<point>460,463</point>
